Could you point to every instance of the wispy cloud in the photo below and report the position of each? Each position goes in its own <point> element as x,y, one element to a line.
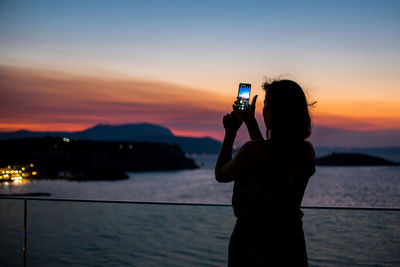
<point>36,97</point>
<point>42,100</point>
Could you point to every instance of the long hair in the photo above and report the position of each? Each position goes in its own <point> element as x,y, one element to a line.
<point>286,111</point>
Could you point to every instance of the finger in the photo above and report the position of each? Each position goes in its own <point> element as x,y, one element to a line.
<point>235,113</point>
<point>253,103</point>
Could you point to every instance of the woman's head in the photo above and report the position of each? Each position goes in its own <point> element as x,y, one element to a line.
<point>285,111</point>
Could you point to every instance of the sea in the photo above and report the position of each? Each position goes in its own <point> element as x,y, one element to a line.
<point>184,218</point>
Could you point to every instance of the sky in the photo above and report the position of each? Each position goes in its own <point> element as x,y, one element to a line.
<point>69,65</point>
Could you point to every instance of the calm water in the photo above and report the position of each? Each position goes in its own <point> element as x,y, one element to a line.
<point>330,186</point>
<point>110,234</point>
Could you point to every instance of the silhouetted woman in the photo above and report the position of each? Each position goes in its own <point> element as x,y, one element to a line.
<point>270,177</point>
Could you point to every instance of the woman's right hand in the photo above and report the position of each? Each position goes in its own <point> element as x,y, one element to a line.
<point>232,122</point>
<point>248,115</point>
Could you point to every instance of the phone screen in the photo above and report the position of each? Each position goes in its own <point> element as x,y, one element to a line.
<point>244,95</point>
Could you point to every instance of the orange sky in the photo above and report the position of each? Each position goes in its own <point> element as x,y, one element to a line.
<point>67,66</point>
<point>42,100</point>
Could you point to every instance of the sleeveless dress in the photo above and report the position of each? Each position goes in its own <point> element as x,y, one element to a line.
<point>266,203</point>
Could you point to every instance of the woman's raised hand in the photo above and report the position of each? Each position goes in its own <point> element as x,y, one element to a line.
<point>232,122</point>
<point>249,114</point>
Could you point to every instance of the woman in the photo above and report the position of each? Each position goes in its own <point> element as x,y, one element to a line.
<point>270,177</point>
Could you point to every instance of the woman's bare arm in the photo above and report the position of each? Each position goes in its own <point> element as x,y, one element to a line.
<point>227,168</point>
<point>244,161</point>
<point>232,123</point>
<point>225,156</point>
<point>250,120</point>
<point>254,130</point>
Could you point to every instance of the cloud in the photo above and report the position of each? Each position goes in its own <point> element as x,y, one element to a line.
<point>45,99</point>
<point>351,122</point>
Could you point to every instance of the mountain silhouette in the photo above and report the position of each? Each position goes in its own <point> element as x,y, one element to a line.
<point>140,132</point>
<point>383,143</point>
<point>125,132</point>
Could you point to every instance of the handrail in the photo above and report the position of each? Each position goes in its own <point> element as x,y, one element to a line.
<point>189,203</point>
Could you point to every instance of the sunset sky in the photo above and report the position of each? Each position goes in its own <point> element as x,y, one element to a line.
<point>69,65</point>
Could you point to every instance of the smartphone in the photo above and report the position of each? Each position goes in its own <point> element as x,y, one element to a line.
<point>243,96</point>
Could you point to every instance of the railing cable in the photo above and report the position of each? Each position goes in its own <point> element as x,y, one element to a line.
<point>190,204</point>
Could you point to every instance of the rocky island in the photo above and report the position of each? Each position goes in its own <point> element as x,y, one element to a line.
<point>353,159</point>
<point>64,158</point>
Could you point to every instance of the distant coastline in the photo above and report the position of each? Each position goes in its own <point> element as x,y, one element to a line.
<point>325,140</point>
<point>62,158</point>
<point>94,164</point>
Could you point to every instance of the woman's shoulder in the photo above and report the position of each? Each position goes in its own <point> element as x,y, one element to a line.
<point>254,143</point>
<point>284,144</point>
<point>253,150</point>
<point>276,149</point>
<point>257,150</point>
<point>254,146</point>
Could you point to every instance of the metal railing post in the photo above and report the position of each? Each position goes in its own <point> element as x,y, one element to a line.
<point>25,230</point>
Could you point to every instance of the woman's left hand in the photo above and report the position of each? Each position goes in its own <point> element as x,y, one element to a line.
<point>232,122</point>
<point>249,114</point>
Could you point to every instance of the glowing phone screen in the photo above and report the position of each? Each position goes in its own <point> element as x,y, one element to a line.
<point>244,95</point>
<point>244,91</point>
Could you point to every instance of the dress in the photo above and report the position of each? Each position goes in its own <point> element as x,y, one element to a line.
<point>266,203</point>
